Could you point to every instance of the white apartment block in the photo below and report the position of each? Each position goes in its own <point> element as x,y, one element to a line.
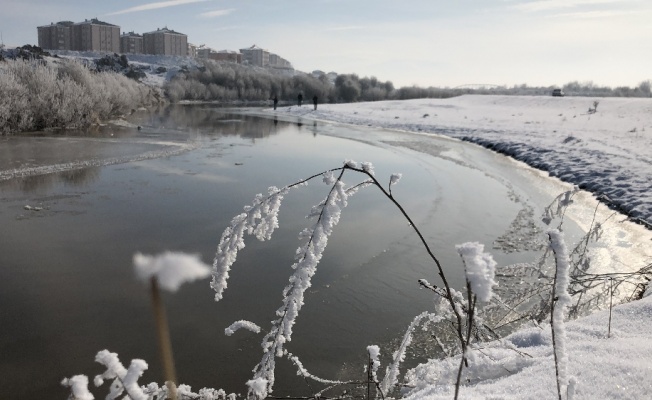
<point>255,55</point>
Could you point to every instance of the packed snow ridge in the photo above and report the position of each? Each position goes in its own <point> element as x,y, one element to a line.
<point>605,151</point>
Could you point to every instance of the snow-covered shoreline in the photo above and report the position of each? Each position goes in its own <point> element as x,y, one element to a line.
<point>606,152</point>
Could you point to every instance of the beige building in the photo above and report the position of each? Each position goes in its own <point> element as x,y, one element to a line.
<point>95,35</point>
<point>255,55</point>
<point>166,42</point>
<point>276,61</point>
<point>55,36</point>
<point>192,50</point>
<point>131,43</point>
<point>228,55</point>
<point>206,53</point>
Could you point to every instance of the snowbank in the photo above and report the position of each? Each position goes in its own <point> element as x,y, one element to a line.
<point>605,368</point>
<point>606,152</point>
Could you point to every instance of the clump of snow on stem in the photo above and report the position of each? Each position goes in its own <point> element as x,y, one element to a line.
<point>171,269</point>
<point>480,269</point>
<point>258,387</point>
<point>393,180</point>
<point>351,163</point>
<point>259,219</point>
<point>368,167</point>
<point>374,353</point>
<point>562,280</point>
<point>123,379</point>
<point>242,324</point>
<point>78,385</point>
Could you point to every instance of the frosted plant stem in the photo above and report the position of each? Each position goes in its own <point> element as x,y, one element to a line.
<point>559,304</point>
<point>369,376</point>
<point>552,328</point>
<point>294,293</point>
<point>440,270</point>
<point>165,344</point>
<point>469,325</point>
<point>611,302</point>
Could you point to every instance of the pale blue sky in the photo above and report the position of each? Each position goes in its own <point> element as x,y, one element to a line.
<point>424,42</point>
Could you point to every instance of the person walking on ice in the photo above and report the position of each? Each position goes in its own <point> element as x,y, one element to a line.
<point>314,101</point>
<point>300,99</point>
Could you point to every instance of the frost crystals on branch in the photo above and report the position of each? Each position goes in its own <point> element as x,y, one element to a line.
<point>307,257</point>
<point>259,219</point>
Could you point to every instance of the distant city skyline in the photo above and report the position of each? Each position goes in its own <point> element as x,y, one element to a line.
<point>422,42</point>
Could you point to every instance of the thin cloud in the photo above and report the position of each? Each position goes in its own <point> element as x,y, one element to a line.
<point>154,6</point>
<point>595,14</point>
<point>548,5</point>
<point>345,28</point>
<point>229,28</point>
<point>216,13</point>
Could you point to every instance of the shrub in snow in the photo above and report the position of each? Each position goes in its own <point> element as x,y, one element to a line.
<point>37,96</point>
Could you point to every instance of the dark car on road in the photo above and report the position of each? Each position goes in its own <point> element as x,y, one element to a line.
<point>558,93</point>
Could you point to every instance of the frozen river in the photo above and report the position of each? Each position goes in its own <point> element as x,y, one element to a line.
<point>75,207</point>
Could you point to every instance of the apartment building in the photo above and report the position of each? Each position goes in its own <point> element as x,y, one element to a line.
<point>276,61</point>
<point>90,35</point>
<point>95,35</point>
<point>55,36</point>
<point>192,50</point>
<point>131,43</point>
<point>165,42</point>
<point>255,55</point>
<point>206,53</point>
<point>228,55</point>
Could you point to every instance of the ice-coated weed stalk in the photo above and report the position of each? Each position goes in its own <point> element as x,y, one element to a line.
<point>163,333</point>
<point>560,302</point>
<point>611,304</point>
<point>168,270</point>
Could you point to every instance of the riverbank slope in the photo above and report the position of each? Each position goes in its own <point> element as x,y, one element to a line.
<point>601,145</point>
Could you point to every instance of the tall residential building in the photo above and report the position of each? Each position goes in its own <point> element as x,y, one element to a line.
<point>95,35</point>
<point>255,55</point>
<point>166,42</point>
<point>55,36</point>
<point>131,43</point>
<point>276,61</point>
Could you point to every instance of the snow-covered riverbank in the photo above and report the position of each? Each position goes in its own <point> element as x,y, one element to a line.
<point>605,150</point>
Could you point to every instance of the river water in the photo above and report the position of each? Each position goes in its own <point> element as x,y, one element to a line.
<point>76,206</point>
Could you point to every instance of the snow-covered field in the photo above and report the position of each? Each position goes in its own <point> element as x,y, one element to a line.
<point>606,152</point>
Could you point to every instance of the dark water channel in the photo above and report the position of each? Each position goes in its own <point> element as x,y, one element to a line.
<point>67,286</point>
